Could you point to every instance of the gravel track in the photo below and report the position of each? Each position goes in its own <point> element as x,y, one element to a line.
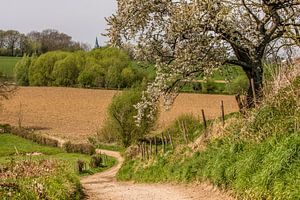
<point>104,186</point>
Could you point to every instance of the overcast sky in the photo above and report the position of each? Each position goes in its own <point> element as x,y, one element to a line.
<point>81,19</point>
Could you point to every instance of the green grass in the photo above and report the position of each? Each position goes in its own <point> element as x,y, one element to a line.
<point>10,145</point>
<point>267,170</point>
<point>7,65</point>
<point>63,183</point>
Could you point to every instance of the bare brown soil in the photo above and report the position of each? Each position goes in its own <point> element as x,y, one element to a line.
<point>103,186</point>
<point>194,103</point>
<point>67,113</point>
<point>76,114</point>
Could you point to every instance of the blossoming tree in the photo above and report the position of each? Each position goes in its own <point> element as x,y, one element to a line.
<point>186,38</point>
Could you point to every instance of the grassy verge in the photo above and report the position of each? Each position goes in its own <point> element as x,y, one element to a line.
<point>32,171</point>
<point>267,170</point>
<point>256,157</point>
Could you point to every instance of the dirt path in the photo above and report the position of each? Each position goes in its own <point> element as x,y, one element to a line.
<point>103,186</point>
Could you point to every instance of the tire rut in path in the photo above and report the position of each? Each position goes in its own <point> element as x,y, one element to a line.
<point>104,186</point>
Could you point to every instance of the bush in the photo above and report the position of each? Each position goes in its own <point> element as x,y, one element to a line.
<point>122,125</point>
<point>35,137</point>
<point>107,132</point>
<point>113,78</point>
<point>21,70</point>
<point>40,72</point>
<point>66,71</point>
<point>79,148</point>
<point>128,76</point>
<point>80,166</point>
<point>87,78</point>
<point>96,161</point>
<point>92,76</point>
<point>104,67</point>
<point>5,128</point>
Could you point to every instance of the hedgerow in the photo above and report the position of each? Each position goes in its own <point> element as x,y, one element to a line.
<point>104,67</point>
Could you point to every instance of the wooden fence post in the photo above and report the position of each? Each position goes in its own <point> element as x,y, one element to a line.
<point>156,150</point>
<point>223,113</point>
<point>150,147</point>
<point>204,123</point>
<point>204,119</point>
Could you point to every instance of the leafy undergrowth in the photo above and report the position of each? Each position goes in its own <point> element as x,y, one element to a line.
<point>32,171</point>
<point>257,158</point>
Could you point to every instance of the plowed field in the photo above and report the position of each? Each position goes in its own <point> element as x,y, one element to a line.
<point>76,114</point>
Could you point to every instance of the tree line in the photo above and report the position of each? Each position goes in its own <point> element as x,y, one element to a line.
<point>104,67</point>
<point>14,43</point>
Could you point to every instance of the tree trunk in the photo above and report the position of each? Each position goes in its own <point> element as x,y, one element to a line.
<point>12,51</point>
<point>255,74</point>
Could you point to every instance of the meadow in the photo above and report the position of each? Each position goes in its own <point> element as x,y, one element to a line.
<point>7,65</point>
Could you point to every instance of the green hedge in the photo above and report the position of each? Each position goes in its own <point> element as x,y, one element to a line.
<point>104,67</point>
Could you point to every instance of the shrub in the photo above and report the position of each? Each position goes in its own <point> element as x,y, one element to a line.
<point>107,132</point>
<point>121,118</point>
<point>92,77</point>
<point>79,148</point>
<point>35,137</point>
<point>80,166</point>
<point>21,70</point>
<point>5,128</point>
<point>113,77</point>
<point>40,72</point>
<point>96,161</point>
<point>128,76</point>
<point>66,71</point>
<point>86,78</point>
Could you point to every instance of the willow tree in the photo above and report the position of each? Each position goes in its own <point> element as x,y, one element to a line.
<point>190,37</point>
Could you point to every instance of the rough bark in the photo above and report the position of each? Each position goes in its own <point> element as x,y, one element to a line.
<point>255,74</point>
